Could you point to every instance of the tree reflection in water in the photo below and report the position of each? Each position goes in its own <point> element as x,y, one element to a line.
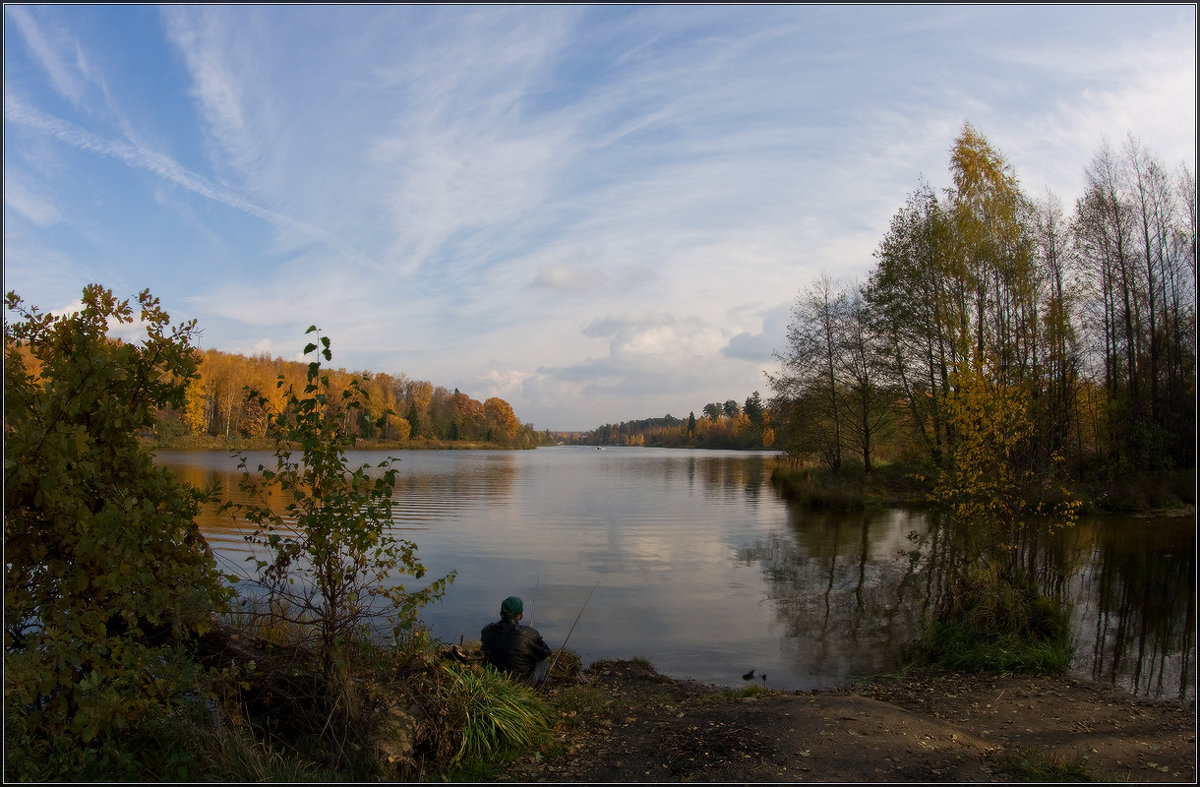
<point>851,592</point>
<point>844,599</point>
<point>1142,629</point>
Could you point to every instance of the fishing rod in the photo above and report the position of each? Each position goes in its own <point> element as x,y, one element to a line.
<point>533,601</point>
<point>577,617</point>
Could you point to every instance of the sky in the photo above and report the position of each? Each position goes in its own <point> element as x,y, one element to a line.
<point>597,213</point>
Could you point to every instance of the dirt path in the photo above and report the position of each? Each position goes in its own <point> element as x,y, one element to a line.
<point>634,725</point>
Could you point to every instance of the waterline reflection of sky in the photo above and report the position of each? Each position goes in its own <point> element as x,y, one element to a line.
<point>691,560</point>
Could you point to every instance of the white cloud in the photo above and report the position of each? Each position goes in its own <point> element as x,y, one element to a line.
<point>654,335</point>
<point>761,347</point>
<point>22,198</point>
<point>596,212</point>
<point>503,384</point>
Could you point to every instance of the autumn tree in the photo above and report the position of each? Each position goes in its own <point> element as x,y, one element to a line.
<point>866,401</point>
<point>501,421</point>
<point>909,298</point>
<point>420,394</point>
<point>991,487</point>
<point>1091,316</point>
<point>467,420</point>
<point>1057,420</point>
<point>196,413</point>
<point>1134,236</point>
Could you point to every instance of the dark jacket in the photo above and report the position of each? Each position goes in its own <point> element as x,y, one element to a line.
<point>513,648</point>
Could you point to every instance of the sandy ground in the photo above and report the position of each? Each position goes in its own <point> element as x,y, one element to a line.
<point>640,726</point>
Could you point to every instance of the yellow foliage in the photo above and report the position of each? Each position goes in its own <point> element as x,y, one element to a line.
<point>989,486</point>
<point>398,428</point>
<point>195,409</point>
<point>501,419</point>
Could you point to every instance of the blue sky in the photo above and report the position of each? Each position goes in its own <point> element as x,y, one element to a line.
<point>597,213</point>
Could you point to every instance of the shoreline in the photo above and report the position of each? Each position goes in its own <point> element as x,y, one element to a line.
<point>623,721</point>
<point>249,444</point>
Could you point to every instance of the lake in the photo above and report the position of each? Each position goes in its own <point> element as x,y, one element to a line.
<point>691,560</point>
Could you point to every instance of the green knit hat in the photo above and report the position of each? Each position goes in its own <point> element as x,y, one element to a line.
<point>511,607</point>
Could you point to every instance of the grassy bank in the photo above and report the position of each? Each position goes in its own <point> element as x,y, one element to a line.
<point>852,488</point>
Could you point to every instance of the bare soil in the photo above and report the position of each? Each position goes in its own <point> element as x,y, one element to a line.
<point>627,723</point>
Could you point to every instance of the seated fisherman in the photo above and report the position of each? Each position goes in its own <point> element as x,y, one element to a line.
<point>513,648</point>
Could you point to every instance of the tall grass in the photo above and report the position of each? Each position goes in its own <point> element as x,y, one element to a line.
<point>230,752</point>
<point>1031,765</point>
<point>851,488</point>
<point>989,622</point>
<point>496,714</point>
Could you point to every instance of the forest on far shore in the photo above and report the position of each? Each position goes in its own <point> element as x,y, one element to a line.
<point>746,426</point>
<point>234,397</point>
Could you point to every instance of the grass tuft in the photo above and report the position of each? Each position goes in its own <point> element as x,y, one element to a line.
<point>1032,765</point>
<point>496,713</point>
<point>991,623</point>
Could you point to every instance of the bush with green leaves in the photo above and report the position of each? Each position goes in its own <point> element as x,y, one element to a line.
<point>325,557</point>
<point>106,575</point>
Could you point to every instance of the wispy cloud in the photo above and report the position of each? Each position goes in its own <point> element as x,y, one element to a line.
<point>53,50</point>
<point>22,198</point>
<point>217,52</point>
<point>597,212</point>
<point>19,113</point>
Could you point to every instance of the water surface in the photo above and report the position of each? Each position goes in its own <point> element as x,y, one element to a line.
<point>691,560</point>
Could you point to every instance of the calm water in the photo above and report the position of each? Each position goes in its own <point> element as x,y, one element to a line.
<point>695,563</point>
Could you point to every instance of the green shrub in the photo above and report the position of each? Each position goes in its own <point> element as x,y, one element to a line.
<point>105,571</point>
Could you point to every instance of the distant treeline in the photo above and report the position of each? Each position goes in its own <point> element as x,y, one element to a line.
<point>235,396</point>
<point>721,425</point>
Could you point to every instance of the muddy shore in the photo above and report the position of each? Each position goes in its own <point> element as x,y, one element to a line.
<point>627,723</point>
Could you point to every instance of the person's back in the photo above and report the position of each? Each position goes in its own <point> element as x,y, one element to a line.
<point>513,648</point>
